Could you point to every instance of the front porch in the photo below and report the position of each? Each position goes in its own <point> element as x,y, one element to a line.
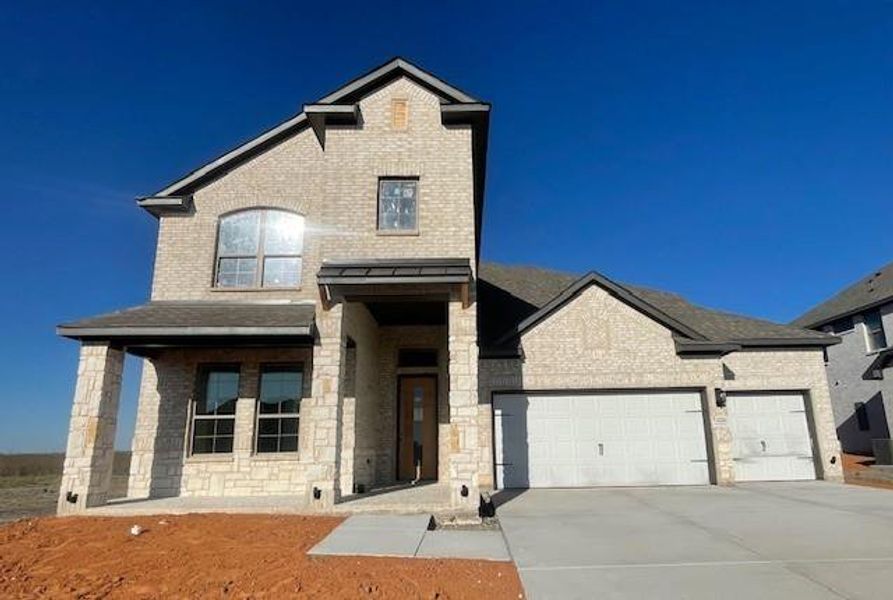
<point>399,498</point>
<point>364,403</point>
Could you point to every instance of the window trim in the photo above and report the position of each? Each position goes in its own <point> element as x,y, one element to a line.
<point>870,333</point>
<point>260,257</point>
<point>203,370</point>
<point>418,205</point>
<point>277,367</point>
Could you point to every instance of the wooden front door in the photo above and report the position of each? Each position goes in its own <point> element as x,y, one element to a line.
<point>417,428</point>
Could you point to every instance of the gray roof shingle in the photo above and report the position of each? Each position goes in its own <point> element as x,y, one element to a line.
<point>871,290</point>
<point>195,318</point>
<point>510,294</point>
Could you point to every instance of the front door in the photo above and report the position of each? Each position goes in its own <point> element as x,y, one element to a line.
<point>417,428</point>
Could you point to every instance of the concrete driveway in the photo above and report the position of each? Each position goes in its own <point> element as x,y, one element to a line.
<point>810,540</point>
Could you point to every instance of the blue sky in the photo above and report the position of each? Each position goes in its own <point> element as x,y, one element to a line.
<point>739,153</point>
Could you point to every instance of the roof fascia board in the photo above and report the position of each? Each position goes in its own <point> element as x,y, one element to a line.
<point>322,280</point>
<point>116,332</point>
<point>397,64</point>
<point>164,205</point>
<point>787,342</point>
<point>697,347</point>
<point>267,136</point>
<point>615,290</point>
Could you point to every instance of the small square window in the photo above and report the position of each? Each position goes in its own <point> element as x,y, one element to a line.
<point>398,204</point>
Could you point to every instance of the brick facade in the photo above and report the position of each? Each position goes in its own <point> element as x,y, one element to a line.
<point>599,342</point>
<point>348,416</point>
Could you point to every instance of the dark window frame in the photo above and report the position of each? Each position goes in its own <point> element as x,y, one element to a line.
<point>260,257</point>
<point>203,375</point>
<point>378,213</point>
<point>286,367</point>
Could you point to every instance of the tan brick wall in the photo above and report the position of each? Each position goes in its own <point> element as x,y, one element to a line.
<point>598,342</point>
<point>336,190</point>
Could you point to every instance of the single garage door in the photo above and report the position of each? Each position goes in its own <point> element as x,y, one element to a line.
<point>585,440</point>
<point>770,437</point>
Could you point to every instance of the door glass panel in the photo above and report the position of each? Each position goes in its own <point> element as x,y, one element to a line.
<point>418,413</point>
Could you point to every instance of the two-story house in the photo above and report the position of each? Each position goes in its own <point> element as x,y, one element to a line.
<point>861,315</point>
<point>320,325</point>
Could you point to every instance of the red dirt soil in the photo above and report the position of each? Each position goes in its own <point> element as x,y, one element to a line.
<point>854,467</point>
<point>238,556</point>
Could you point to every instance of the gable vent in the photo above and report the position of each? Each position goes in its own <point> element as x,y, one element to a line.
<point>399,113</point>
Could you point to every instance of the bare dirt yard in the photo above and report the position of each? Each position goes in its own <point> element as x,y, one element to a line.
<point>856,471</point>
<point>29,483</point>
<point>238,556</point>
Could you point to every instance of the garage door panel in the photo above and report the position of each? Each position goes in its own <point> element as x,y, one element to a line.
<point>600,439</point>
<point>770,437</point>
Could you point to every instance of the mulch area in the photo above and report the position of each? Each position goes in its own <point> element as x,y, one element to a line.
<point>855,471</point>
<point>221,556</point>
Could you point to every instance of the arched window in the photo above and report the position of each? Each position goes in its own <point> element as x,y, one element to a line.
<point>260,248</point>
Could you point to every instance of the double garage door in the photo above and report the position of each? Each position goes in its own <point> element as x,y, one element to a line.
<point>641,438</point>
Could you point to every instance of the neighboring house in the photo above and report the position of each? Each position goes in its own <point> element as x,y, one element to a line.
<point>319,325</point>
<point>858,368</point>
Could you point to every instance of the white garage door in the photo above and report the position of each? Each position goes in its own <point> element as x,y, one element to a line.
<point>770,437</point>
<point>584,440</point>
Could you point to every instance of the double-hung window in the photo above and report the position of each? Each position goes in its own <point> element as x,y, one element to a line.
<point>214,410</point>
<point>259,249</point>
<point>278,408</point>
<point>874,331</point>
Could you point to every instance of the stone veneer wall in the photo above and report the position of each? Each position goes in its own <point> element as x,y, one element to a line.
<point>160,465</point>
<point>87,470</point>
<point>464,440</point>
<point>360,414</point>
<point>598,342</point>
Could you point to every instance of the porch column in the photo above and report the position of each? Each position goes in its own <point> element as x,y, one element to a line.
<point>87,471</point>
<point>463,400</point>
<point>322,435</point>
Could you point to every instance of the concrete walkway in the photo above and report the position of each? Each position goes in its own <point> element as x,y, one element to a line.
<point>791,541</point>
<point>407,536</point>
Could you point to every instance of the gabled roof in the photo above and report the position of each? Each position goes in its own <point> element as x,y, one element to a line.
<point>514,299</point>
<point>346,94</point>
<point>457,108</point>
<point>870,291</point>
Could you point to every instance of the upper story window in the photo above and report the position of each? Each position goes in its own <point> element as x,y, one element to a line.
<point>259,248</point>
<point>874,330</point>
<point>398,205</point>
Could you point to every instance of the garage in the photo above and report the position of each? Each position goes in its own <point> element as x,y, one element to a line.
<point>589,439</point>
<point>770,437</point>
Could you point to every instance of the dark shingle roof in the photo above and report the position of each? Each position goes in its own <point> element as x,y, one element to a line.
<point>509,294</point>
<point>196,318</point>
<point>874,289</point>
